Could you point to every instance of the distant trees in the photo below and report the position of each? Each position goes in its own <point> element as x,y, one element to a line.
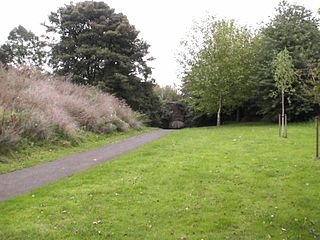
<point>226,67</point>
<point>167,93</point>
<point>23,47</point>
<point>169,98</point>
<point>312,86</point>
<point>217,77</point>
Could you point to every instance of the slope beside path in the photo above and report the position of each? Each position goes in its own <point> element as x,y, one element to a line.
<point>28,179</point>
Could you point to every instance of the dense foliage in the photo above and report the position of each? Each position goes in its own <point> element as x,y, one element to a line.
<point>220,76</point>
<point>23,47</point>
<point>99,47</point>
<point>232,68</point>
<point>296,29</point>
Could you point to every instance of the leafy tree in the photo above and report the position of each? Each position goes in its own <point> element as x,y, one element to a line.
<point>312,89</point>
<point>296,29</point>
<point>4,54</point>
<point>312,86</point>
<point>219,75</point>
<point>284,77</point>
<point>23,47</point>
<point>100,47</point>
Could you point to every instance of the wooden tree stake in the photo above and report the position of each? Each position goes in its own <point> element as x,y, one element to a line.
<point>317,138</point>
<point>285,126</point>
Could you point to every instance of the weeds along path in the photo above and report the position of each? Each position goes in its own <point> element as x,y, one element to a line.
<point>25,180</point>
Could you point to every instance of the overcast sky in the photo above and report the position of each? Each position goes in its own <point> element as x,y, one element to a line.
<point>161,23</point>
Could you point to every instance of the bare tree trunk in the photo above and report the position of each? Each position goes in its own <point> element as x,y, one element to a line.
<point>279,119</point>
<point>282,115</point>
<point>285,126</point>
<point>219,112</point>
<point>238,115</point>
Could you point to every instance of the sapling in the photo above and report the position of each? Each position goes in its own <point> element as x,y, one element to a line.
<point>284,77</point>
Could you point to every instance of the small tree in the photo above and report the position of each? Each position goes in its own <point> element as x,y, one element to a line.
<point>284,77</point>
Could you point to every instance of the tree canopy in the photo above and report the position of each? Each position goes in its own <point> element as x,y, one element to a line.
<point>295,28</point>
<point>284,74</point>
<point>220,75</point>
<point>23,47</point>
<point>98,46</point>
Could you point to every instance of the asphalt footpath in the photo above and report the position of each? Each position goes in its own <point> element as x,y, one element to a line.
<point>27,179</point>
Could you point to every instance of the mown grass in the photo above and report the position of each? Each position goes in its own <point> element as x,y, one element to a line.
<point>233,182</point>
<point>29,153</point>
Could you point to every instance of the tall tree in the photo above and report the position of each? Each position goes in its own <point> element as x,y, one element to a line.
<point>295,28</point>
<point>219,75</point>
<point>284,77</point>
<point>23,47</point>
<point>100,47</point>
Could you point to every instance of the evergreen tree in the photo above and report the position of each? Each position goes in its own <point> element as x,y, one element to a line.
<point>98,46</point>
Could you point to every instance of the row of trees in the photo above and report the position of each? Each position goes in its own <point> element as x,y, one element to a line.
<point>227,67</point>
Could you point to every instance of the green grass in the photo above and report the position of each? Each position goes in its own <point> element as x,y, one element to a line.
<point>29,153</point>
<point>233,182</point>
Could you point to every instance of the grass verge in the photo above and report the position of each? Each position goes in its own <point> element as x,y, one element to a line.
<point>29,153</point>
<point>233,182</point>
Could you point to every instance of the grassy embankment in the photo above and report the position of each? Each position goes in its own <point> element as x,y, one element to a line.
<point>44,117</point>
<point>233,182</point>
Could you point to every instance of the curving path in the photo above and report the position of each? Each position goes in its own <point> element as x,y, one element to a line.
<point>25,180</point>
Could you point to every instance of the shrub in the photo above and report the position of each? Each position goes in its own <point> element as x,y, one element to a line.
<point>40,106</point>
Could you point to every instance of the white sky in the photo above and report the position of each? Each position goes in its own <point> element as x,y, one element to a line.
<point>161,23</point>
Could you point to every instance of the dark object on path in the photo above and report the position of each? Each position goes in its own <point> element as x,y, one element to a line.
<point>28,179</point>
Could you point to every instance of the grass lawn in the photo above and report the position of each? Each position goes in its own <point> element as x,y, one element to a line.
<point>233,182</point>
<point>28,154</point>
